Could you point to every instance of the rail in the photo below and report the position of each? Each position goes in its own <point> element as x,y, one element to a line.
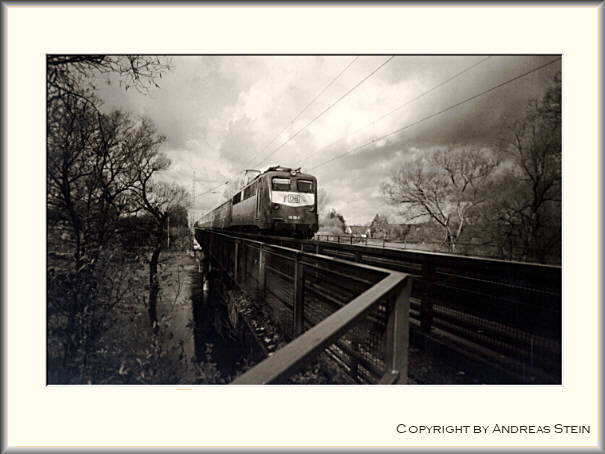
<point>352,317</point>
<point>505,314</point>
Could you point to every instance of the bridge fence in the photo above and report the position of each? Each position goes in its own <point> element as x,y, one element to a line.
<point>503,314</point>
<point>353,317</point>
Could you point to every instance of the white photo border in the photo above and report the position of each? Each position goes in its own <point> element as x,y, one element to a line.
<point>290,417</point>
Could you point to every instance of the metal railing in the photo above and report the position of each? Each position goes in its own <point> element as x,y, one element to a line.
<point>505,313</point>
<point>345,239</point>
<point>355,316</point>
<point>481,250</point>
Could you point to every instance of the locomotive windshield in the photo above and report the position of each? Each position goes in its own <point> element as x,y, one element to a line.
<point>280,184</point>
<point>304,185</point>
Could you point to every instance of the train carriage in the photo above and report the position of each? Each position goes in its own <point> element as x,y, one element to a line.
<point>279,201</point>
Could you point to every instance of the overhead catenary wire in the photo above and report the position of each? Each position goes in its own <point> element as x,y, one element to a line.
<point>295,118</point>
<point>309,104</point>
<point>428,117</point>
<point>213,189</point>
<point>424,118</point>
<point>325,110</point>
<point>196,196</point>
<point>406,103</point>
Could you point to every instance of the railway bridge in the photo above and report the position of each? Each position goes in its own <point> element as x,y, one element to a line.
<point>358,308</point>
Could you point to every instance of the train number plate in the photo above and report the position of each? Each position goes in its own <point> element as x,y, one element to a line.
<point>293,198</point>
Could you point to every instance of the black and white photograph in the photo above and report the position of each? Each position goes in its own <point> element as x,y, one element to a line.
<point>304,219</point>
<point>301,227</point>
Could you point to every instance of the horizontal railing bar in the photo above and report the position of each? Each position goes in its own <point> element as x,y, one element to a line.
<point>462,278</point>
<point>286,276</point>
<point>506,364</point>
<point>325,258</point>
<point>497,267</point>
<point>498,347</point>
<point>440,257</point>
<point>341,363</point>
<point>338,273</point>
<point>271,253</point>
<point>290,357</point>
<point>492,327</point>
<point>396,253</point>
<point>479,279</point>
<point>278,297</point>
<point>313,267</point>
<point>316,290</point>
<point>358,357</point>
<point>338,305</point>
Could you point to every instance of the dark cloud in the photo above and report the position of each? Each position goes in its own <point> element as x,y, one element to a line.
<point>222,114</point>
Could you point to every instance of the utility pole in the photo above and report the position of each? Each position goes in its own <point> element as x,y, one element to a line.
<point>192,198</point>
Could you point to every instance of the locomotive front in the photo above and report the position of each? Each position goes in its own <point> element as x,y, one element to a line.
<point>292,202</point>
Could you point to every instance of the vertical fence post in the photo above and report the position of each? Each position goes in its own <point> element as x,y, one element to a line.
<point>299,296</point>
<point>221,256</point>
<point>397,334</point>
<point>262,270</point>
<point>426,308</point>
<point>245,258</point>
<point>236,254</point>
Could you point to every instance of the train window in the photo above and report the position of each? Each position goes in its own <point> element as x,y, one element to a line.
<point>304,185</point>
<point>250,191</point>
<point>280,184</point>
<point>237,197</point>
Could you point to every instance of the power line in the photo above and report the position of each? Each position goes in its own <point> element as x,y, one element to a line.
<point>326,110</point>
<point>296,117</point>
<point>408,102</point>
<point>397,131</point>
<point>210,190</point>
<point>306,107</point>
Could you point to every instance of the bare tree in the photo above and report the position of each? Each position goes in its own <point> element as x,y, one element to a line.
<point>90,177</point>
<point>525,213</point>
<point>87,184</point>
<point>77,75</point>
<point>446,186</point>
<point>89,153</point>
<point>535,144</point>
<point>156,199</point>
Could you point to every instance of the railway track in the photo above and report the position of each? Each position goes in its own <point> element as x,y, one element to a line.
<point>500,315</point>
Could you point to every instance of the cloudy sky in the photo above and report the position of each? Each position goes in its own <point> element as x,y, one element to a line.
<point>224,114</point>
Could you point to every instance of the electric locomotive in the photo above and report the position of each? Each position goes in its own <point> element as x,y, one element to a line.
<point>280,201</point>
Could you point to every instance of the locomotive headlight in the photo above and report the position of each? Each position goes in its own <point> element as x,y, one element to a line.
<point>293,173</point>
<point>276,206</point>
